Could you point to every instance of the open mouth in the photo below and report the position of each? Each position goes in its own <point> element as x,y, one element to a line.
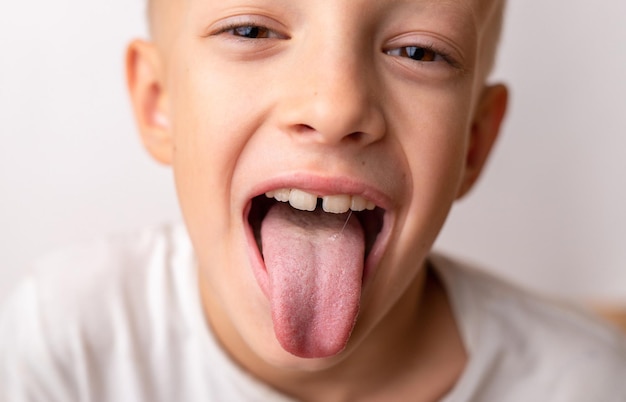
<point>312,259</point>
<point>370,216</point>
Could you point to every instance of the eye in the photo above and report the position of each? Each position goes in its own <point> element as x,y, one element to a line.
<point>417,53</point>
<point>250,32</point>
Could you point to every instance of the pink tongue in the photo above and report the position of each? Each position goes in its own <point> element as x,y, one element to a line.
<point>315,266</point>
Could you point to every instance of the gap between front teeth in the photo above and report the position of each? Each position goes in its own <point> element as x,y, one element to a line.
<point>337,204</point>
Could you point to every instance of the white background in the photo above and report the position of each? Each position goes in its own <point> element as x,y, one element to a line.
<point>549,212</point>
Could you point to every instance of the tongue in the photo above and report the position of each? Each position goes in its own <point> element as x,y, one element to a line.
<point>314,262</point>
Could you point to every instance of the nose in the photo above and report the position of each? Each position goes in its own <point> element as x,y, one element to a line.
<point>331,97</point>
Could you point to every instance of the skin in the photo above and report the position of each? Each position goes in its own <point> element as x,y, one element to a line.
<point>330,103</point>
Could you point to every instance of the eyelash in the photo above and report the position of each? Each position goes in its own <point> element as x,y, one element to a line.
<point>233,28</point>
<point>434,53</point>
<point>430,51</point>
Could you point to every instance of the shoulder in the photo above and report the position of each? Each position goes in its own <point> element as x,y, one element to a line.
<point>123,251</point>
<point>108,267</point>
<point>531,341</point>
<point>88,282</point>
<point>88,305</point>
<point>73,282</point>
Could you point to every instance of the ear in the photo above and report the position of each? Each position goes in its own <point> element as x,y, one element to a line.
<point>145,82</point>
<point>484,131</point>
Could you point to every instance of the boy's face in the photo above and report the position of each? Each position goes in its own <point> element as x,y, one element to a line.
<point>377,102</point>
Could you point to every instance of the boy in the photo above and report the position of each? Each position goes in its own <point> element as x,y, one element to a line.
<point>317,147</point>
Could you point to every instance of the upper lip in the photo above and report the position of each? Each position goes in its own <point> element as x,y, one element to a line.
<point>323,186</point>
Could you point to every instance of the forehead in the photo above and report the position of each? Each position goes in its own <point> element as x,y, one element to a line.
<point>479,19</point>
<point>480,10</point>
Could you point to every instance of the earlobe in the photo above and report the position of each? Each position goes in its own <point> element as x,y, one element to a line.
<point>484,132</point>
<point>149,99</point>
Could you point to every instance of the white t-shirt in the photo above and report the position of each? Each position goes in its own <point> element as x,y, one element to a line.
<point>121,320</point>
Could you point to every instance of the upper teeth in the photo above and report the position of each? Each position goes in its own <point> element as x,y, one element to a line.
<point>337,204</point>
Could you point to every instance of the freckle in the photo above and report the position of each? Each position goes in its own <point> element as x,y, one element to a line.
<point>362,163</point>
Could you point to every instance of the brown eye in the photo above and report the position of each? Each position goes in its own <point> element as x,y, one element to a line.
<point>251,32</point>
<point>418,53</point>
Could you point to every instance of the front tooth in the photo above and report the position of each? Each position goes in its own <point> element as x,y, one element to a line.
<point>337,204</point>
<point>370,206</point>
<point>358,203</point>
<point>302,200</point>
<point>282,195</point>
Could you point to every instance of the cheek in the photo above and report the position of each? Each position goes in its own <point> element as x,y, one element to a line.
<point>440,157</point>
<point>434,134</point>
<point>208,136</point>
<point>434,131</point>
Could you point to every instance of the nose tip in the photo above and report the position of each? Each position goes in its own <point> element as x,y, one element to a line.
<point>338,106</point>
<point>340,117</point>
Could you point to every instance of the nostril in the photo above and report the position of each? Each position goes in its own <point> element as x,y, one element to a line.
<point>355,137</point>
<point>304,128</point>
